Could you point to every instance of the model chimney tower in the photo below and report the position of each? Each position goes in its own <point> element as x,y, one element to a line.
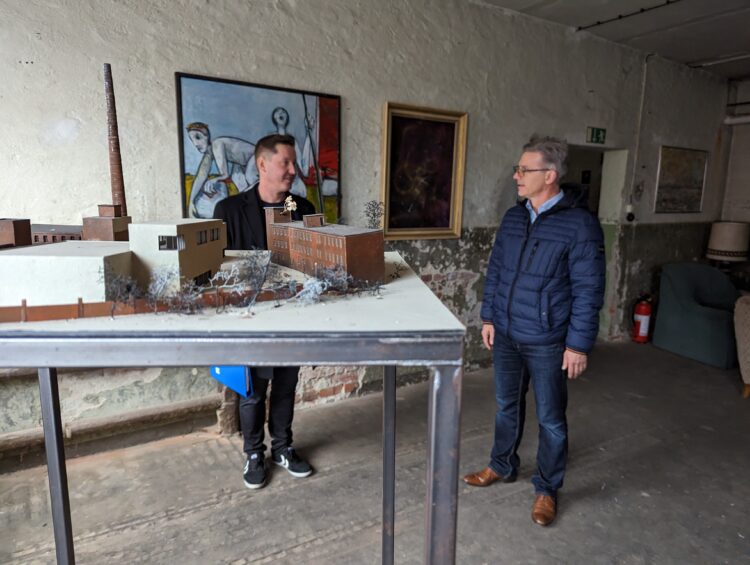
<point>112,222</point>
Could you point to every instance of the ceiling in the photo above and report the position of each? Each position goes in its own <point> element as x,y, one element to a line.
<point>711,34</point>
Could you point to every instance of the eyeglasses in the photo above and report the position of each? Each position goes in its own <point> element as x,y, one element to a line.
<point>520,171</point>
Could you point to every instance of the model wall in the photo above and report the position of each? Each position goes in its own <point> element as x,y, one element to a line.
<point>47,280</point>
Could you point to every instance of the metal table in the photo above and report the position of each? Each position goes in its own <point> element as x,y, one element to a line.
<point>407,326</point>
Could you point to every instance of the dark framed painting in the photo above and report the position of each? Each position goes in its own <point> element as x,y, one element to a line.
<point>680,180</point>
<point>424,153</point>
<point>220,120</point>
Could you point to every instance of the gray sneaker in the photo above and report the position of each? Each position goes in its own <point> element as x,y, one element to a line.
<point>289,459</point>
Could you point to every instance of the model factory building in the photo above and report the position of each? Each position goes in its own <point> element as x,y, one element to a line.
<point>311,245</point>
<point>183,249</point>
<point>62,273</point>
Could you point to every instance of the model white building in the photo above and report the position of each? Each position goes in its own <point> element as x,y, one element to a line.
<point>62,273</point>
<point>181,250</point>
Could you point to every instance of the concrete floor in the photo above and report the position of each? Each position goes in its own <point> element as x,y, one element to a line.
<point>658,473</point>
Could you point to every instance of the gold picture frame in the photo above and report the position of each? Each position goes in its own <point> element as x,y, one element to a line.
<point>423,166</point>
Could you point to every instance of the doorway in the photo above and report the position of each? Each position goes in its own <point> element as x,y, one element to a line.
<point>602,174</point>
<point>585,169</point>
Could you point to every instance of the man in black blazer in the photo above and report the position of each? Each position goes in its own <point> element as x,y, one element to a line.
<point>246,229</point>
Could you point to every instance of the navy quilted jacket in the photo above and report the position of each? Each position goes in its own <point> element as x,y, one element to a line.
<point>545,281</point>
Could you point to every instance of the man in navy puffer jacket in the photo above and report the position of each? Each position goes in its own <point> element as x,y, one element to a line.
<point>540,316</point>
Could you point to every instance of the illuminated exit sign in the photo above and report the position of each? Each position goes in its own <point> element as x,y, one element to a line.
<point>596,135</point>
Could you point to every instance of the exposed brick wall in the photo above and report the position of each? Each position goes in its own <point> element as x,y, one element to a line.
<point>321,385</point>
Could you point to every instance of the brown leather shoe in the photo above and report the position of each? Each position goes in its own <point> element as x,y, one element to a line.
<point>544,510</point>
<point>485,478</point>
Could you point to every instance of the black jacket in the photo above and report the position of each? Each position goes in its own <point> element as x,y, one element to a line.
<point>245,218</point>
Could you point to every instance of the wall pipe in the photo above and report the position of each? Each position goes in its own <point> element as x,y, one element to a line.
<point>737,120</point>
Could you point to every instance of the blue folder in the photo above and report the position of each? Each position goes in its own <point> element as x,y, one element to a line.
<point>235,377</point>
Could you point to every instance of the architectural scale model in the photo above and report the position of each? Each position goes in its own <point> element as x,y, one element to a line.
<point>181,249</point>
<point>311,245</point>
<point>112,222</point>
<point>61,273</point>
<point>14,232</point>
<point>55,233</point>
<point>109,225</point>
<point>84,270</point>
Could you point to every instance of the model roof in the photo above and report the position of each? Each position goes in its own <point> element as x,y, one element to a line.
<point>177,222</point>
<point>332,229</point>
<point>70,249</point>
<point>56,227</point>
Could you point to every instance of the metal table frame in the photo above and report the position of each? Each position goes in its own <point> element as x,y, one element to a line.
<point>442,351</point>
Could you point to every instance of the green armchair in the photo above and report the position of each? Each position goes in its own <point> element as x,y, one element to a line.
<point>695,314</point>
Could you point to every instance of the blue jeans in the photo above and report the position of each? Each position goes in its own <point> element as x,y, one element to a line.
<point>516,364</point>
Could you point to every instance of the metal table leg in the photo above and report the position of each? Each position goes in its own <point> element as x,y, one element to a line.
<point>443,435</point>
<point>58,477</point>
<point>389,461</point>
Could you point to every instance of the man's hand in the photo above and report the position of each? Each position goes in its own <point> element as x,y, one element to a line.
<point>574,362</point>
<point>488,335</point>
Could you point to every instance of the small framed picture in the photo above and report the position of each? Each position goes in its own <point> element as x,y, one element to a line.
<point>424,154</point>
<point>220,120</point>
<point>682,174</point>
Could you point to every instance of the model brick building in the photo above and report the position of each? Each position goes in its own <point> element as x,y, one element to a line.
<point>15,232</point>
<point>109,225</point>
<point>112,222</point>
<point>54,233</point>
<point>310,245</point>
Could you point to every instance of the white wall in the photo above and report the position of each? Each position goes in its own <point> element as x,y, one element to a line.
<point>682,108</point>
<point>514,76</point>
<point>737,199</point>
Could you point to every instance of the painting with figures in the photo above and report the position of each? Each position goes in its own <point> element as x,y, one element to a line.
<point>220,120</point>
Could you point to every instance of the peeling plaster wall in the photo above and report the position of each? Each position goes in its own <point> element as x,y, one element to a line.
<point>454,270</point>
<point>608,329</point>
<point>512,74</point>
<point>647,247</point>
<point>98,393</point>
<point>681,109</point>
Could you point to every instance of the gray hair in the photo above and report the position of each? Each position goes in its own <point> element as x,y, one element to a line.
<point>554,152</point>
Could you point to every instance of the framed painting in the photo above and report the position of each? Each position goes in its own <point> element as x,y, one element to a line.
<point>424,153</point>
<point>220,120</point>
<point>680,180</point>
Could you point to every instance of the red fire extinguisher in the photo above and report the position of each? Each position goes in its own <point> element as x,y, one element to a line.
<point>642,319</point>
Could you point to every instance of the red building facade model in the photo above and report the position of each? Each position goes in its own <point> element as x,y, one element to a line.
<point>310,246</point>
<point>15,232</point>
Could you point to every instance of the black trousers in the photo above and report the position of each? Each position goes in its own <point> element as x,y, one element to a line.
<point>283,382</point>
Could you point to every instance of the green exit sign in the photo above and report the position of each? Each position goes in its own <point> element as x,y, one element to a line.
<point>596,135</point>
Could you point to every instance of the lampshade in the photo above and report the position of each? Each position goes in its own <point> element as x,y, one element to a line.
<point>729,241</point>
